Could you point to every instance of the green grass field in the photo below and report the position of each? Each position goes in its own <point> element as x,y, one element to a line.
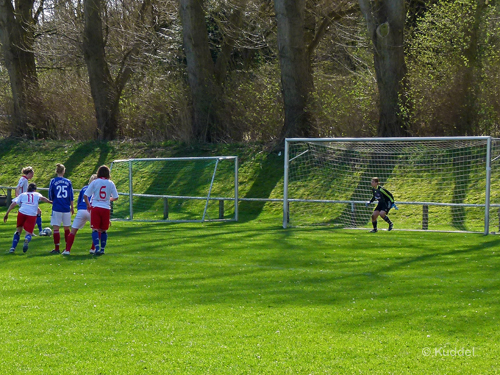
<point>252,298</point>
<point>241,298</point>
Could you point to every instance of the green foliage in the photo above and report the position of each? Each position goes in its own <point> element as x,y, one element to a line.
<point>453,70</point>
<point>346,106</point>
<point>255,102</point>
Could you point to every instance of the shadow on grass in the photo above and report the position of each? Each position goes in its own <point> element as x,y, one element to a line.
<point>270,173</point>
<point>82,152</point>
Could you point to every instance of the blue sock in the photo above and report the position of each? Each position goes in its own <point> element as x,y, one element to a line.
<point>95,239</point>
<point>104,239</point>
<point>39,222</point>
<point>28,237</point>
<point>15,240</point>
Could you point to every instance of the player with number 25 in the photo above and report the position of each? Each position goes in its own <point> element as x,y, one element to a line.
<point>61,194</point>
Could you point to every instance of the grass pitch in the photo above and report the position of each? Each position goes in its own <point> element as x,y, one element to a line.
<point>252,298</point>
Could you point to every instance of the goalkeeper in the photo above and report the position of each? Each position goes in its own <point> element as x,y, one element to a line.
<point>385,203</point>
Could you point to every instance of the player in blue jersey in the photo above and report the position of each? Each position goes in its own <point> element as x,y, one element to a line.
<point>82,216</point>
<point>61,195</point>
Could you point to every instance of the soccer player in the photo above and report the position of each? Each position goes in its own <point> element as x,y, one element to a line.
<point>385,202</point>
<point>82,216</point>
<point>61,194</point>
<point>22,187</point>
<point>103,192</point>
<point>26,216</point>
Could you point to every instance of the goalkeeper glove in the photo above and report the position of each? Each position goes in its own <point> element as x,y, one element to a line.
<point>394,206</point>
<point>367,203</point>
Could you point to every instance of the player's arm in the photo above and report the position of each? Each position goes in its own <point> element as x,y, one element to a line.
<point>87,202</point>
<point>388,194</point>
<point>114,194</point>
<point>12,205</point>
<point>88,194</point>
<point>71,198</point>
<point>50,189</point>
<point>371,200</point>
<point>45,200</point>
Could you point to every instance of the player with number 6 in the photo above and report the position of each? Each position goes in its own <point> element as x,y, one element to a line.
<point>61,194</point>
<point>103,192</point>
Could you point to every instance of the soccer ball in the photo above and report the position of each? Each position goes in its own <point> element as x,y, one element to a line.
<point>47,232</point>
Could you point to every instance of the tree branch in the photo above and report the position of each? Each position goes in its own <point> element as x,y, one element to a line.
<point>329,18</point>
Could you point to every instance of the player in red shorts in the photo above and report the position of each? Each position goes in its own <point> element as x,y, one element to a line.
<point>26,217</point>
<point>22,187</point>
<point>103,192</point>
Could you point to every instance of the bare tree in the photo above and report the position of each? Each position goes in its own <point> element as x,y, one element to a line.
<point>296,77</point>
<point>17,35</point>
<point>205,76</point>
<point>386,20</point>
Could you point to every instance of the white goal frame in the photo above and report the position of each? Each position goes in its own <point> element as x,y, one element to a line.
<point>207,198</point>
<point>486,204</point>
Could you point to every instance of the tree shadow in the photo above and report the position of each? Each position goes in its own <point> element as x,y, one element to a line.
<point>82,152</point>
<point>269,174</point>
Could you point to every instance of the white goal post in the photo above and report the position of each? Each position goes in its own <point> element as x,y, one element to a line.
<point>179,189</point>
<point>439,183</point>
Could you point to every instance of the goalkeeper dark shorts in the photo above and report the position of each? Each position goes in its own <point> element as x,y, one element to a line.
<point>383,206</point>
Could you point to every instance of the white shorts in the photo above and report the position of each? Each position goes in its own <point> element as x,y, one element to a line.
<point>82,216</point>
<point>60,217</point>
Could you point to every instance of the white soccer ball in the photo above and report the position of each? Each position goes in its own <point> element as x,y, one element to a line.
<point>47,231</point>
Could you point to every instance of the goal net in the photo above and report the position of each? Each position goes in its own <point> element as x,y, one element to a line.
<point>192,189</point>
<point>438,183</point>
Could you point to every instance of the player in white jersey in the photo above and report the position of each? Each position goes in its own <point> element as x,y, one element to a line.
<point>22,187</point>
<point>82,216</point>
<point>103,192</point>
<point>26,216</point>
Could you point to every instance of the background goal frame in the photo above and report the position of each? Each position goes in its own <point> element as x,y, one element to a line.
<point>131,194</point>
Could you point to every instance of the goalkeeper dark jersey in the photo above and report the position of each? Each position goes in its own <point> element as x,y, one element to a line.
<point>383,196</point>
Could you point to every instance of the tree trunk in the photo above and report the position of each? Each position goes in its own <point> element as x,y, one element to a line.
<point>296,75</point>
<point>386,20</point>
<point>467,122</point>
<point>17,39</point>
<point>104,93</point>
<point>205,92</point>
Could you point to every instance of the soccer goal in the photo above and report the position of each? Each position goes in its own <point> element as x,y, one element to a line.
<point>187,189</point>
<point>447,184</point>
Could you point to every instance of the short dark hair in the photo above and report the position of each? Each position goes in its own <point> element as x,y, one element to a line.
<point>103,172</point>
<point>31,187</point>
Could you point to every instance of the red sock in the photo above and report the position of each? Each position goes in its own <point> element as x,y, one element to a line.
<point>69,241</point>
<point>66,234</point>
<point>57,239</point>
